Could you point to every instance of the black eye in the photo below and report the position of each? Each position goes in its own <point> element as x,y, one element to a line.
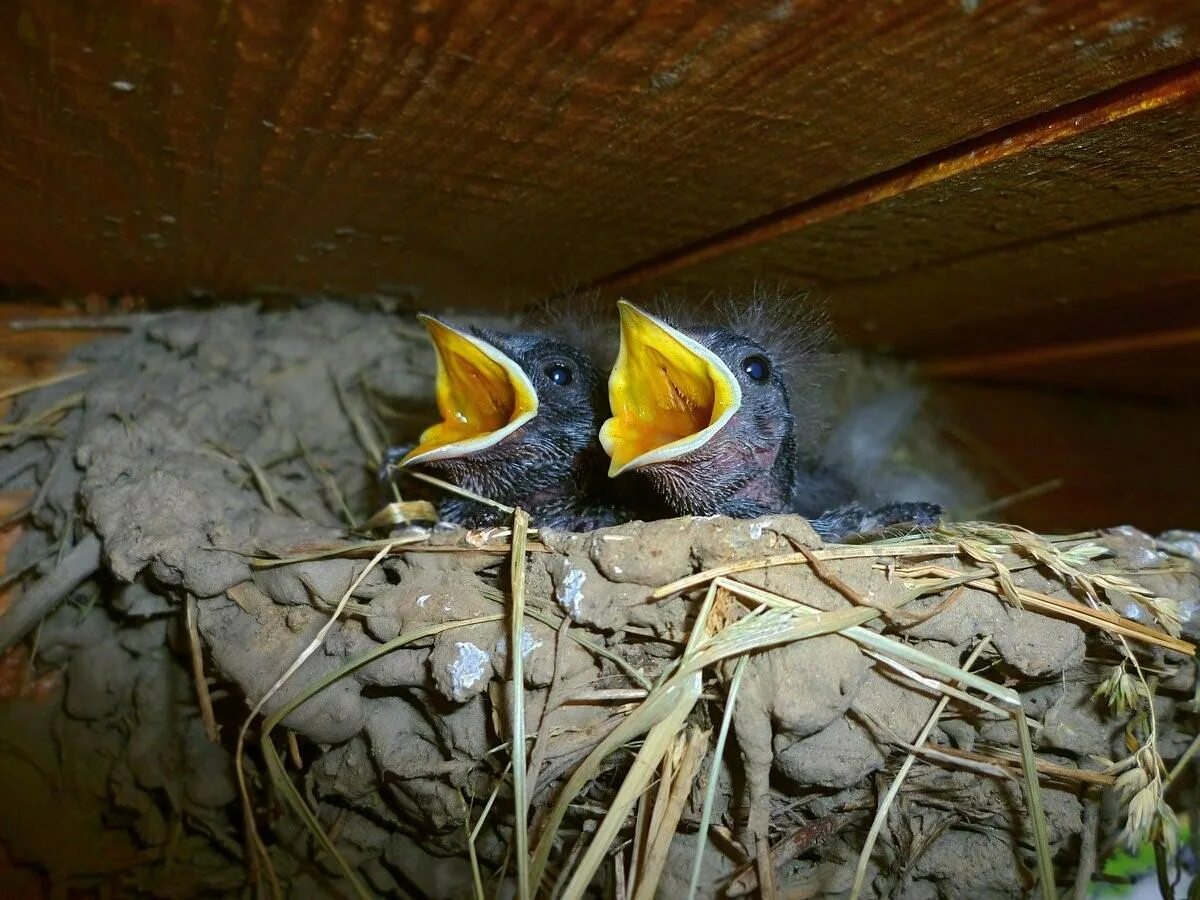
<point>757,368</point>
<point>559,374</point>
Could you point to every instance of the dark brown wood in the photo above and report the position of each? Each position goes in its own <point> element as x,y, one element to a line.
<point>476,152</point>
<point>927,262</point>
<point>1122,153</point>
<point>1120,461</point>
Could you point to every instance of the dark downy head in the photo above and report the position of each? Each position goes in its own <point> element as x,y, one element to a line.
<point>706,412</point>
<point>519,412</point>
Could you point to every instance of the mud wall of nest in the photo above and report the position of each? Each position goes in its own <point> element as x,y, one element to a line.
<point>191,533</point>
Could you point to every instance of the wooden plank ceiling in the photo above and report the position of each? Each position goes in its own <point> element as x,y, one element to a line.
<point>977,184</point>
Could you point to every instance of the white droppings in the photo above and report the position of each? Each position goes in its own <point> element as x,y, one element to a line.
<point>528,644</point>
<point>756,530</point>
<point>1171,39</point>
<point>125,87</point>
<point>422,600</point>
<point>467,669</point>
<point>617,570</point>
<point>1131,609</point>
<point>569,593</point>
<point>1124,26</point>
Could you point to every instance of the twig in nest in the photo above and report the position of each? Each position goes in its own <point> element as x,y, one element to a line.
<point>37,383</point>
<point>203,698</point>
<point>455,489</point>
<point>800,559</point>
<point>1086,615</point>
<point>119,322</point>
<point>835,581</point>
<point>1087,847</point>
<point>44,595</point>
<point>885,804</point>
<point>798,842</point>
<point>294,753</point>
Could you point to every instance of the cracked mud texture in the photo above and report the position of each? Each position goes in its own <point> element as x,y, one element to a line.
<point>201,440</point>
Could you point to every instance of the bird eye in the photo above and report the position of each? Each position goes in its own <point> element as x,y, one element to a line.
<point>757,368</point>
<point>559,374</point>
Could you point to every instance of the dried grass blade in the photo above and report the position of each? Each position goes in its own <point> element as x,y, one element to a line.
<point>884,645</point>
<point>203,698</point>
<point>1044,767</point>
<point>263,562</point>
<point>663,702</point>
<point>382,650</point>
<point>362,431</point>
<point>239,768</point>
<point>37,383</point>
<point>864,858</point>
<point>710,791</point>
<point>657,743</point>
<point>799,559</point>
<point>455,489</point>
<point>287,790</point>
<point>517,728</point>
<point>662,829</point>
<point>1037,815</point>
<point>401,512</point>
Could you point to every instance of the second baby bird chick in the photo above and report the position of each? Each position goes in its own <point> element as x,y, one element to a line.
<point>706,416</point>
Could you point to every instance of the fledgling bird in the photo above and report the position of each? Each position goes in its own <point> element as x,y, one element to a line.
<point>519,416</point>
<point>728,419</point>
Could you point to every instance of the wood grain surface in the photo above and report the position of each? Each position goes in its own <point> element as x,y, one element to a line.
<point>486,151</point>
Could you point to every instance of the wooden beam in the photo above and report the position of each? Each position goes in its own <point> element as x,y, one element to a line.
<point>476,152</point>
<point>1016,142</point>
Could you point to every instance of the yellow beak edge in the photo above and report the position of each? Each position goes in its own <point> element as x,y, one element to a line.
<point>482,396</point>
<point>669,394</point>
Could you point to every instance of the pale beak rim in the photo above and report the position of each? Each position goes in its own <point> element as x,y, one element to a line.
<point>717,369</point>
<point>522,387</point>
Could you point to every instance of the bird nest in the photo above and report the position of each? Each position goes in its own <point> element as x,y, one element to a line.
<point>230,681</point>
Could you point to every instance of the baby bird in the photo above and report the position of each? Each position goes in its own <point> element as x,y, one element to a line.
<point>707,416</point>
<point>519,415</point>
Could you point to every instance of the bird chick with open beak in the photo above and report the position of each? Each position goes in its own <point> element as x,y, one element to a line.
<point>519,415</point>
<point>707,416</point>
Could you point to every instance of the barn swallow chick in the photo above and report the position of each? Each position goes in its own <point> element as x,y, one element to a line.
<point>519,414</point>
<point>705,415</point>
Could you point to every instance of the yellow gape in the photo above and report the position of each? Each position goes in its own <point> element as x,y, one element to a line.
<point>668,393</point>
<point>482,396</point>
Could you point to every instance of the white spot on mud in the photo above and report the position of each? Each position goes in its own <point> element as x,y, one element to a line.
<point>422,600</point>
<point>570,591</point>
<point>756,530</point>
<point>1171,39</point>
<point>528,644</point>
<point>467,668</point>
<point>1134,23</point>
<point>125,87</point>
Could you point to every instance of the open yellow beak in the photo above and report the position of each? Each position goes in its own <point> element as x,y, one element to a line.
<point>669,394</point>
<point>482,396</point>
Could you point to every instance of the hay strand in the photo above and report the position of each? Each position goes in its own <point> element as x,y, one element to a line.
<point>710,790</point>
<point>517,728</point>
<point>864,857</point>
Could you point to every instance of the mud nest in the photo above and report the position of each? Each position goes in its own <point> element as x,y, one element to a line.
<point>196,591</point>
